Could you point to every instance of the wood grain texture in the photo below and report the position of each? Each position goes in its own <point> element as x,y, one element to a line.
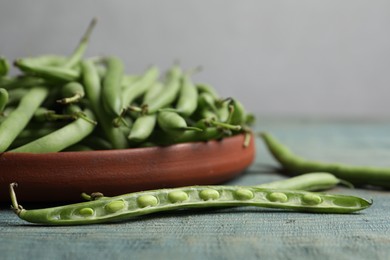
<point>238,233</point>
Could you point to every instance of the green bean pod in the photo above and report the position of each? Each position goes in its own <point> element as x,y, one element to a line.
<point>15,95</point>
<point>205,88</point>
<point>128,80</point>
<point>238,116</point>
<point>72,92</point>
<point>139,87</point>
<point>142,128</point>
<point>188,97</point>
<point>17,120</point>
<point>6,81</point>
<point>173,123</point>
<point>168,96</point>
<point>206,101</point>
<point>46,60</point>
<point>125,207</point>
<point>46,71</point>
<point>43,114</point>
<point>357,175</point>
<point>153,92</point>
<point>91,82</point>
<point>4,66</point>
<point>111,89</point>
<point>93,90</point>
<point>23,82</point>
<point>4,97</point>
<point>78,53</point>
<point>210,133</point>
<point>7,110</point>
<point>314,181</point>
<point>224,110</point>
<point>144,125</point>
<point>34,131</point>
<point>61,138</point>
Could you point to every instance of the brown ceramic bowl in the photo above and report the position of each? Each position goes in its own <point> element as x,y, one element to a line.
<point>57,177</point>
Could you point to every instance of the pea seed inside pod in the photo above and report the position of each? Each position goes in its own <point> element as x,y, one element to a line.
<point>147,200</point>
<point>115,206</point>
<point>346,203</point>
<point>277,197</point>
<point>177,196</point>
<point>243,194</point>
<point>209,194</point>
<point>311,199</point>
<point>86,212</point>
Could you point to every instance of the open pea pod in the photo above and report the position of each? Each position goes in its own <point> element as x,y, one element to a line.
<point>125,207</point>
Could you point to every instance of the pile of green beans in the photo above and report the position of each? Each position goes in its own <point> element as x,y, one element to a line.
<point>79,99</point>
<point>290,194</point>
<point>357,175</point>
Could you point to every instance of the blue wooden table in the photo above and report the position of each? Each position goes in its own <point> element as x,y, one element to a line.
<point>240,233</point>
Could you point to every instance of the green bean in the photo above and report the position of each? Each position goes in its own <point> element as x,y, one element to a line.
<point>357,175</point>
<point>111,89</point>
<point>128,80</point>
<point>205,88</point>
<point>7,110</point>
<point>210,119</point>
<point>125,207</point>
<point>206,115</point>
<point>188,97</point>
<point>238,115</point>
<point>38,129</point>
<point>18,119</point>
<point>225,125</point>
<point>139,87</point>
<point>46,60</point>
<point>142,128</point>
<point>225,110</point>
<point>72,92</point>
<point>206,101</point>
<point>91,82</point>
<point>50,72</point>
<point>153,92</point>
<point>31,133</point>
<point>15,95</point>
<point>4,97</point>
<point>23,82</point>
<point>309,182</point>
<point>61,138</point>
<point>78,53</point>
<point>173,123</point>
<point>168,96</point>
<point>43,114</point>
<point>4,66</point>
<point>209,133</point>
<point>6,81</point>
<point>144,125</point>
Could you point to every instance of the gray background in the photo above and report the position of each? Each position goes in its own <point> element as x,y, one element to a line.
<point>311,58</point>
